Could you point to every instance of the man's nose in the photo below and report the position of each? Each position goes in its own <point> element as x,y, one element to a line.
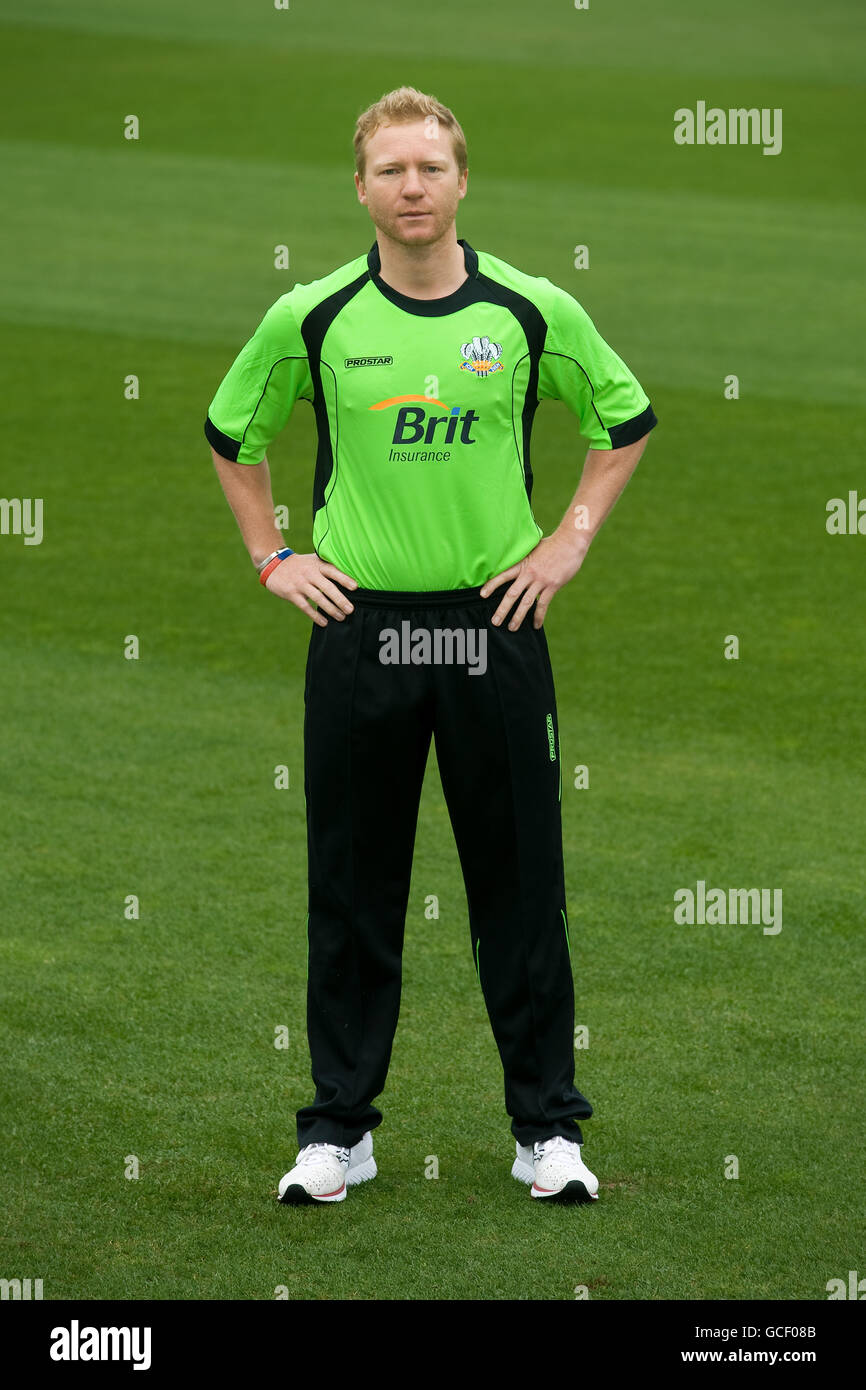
<point>412,184</point>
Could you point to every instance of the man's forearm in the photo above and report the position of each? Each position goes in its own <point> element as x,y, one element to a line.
<point>605,474</point>
<point>247,488</point>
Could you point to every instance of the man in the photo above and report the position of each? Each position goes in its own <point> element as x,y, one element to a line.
<point>424,361</point>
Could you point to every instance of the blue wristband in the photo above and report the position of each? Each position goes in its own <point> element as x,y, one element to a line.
<point>270,564</point>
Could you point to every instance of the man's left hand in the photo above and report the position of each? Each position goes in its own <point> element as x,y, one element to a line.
<point>537,577</point>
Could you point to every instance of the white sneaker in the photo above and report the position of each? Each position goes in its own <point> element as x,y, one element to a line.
<point>322,1172</point>
<point>556,1171</point>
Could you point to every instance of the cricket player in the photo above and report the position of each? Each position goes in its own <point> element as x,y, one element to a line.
<point>424,361</point>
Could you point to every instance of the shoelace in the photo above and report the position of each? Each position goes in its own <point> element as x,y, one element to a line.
<point>540,1147</point>
<point>314,1153</point>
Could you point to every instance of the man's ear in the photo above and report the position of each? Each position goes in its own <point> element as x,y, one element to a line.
<point>359,185</point>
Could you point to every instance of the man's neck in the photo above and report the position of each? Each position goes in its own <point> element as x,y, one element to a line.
<point>422,272</point>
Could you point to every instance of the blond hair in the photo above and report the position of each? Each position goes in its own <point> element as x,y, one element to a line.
<point>399,107</point>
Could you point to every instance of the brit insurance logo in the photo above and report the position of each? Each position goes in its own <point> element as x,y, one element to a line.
<point>481,357</point>
<point>420,423</point>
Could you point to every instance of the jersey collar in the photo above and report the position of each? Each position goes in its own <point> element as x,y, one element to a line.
<point>428,308</point>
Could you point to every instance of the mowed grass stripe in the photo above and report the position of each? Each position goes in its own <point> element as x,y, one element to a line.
<point>71,88</point>
<point>154,264</point>
<point>780,39</point>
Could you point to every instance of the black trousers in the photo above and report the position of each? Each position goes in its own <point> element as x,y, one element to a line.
<point>368,723</point>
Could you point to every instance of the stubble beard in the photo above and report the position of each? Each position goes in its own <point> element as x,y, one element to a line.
<point>439,224</point>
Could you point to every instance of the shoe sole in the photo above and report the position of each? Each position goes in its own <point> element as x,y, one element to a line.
<point>574,1190</point>
<point>362,1172</point>
<point>296,1195</point>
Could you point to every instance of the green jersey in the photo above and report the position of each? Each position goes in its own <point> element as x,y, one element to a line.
<point>424,411</point>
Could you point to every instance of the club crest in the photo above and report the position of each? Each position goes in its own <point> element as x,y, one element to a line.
<point>481,357</point>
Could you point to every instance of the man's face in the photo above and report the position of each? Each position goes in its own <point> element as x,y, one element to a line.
<point>411,184</point>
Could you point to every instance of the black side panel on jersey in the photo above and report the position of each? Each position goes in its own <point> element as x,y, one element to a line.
<point>313,330</point>
<point>534,327</point>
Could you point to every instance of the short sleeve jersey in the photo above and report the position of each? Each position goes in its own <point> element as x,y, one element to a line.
<point>424,412</point>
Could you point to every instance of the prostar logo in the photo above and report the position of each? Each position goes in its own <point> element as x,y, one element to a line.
<point>415,425</point>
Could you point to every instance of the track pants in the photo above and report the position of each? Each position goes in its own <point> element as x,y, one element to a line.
<point>374,696</point>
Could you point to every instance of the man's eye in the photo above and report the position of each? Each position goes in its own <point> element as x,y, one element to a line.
<point>428,168</point>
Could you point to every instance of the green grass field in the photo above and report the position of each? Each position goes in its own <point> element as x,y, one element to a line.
<point>155,777</point>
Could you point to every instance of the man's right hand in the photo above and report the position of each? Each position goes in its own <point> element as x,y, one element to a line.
<point>302,577</point>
